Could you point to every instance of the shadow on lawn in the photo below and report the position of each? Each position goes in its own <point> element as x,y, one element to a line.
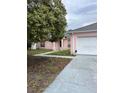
<point>34,59</point>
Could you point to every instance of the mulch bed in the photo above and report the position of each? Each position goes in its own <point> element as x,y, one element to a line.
<point>41,71</point>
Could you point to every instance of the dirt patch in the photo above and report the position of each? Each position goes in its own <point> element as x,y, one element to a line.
<point>41,71</point>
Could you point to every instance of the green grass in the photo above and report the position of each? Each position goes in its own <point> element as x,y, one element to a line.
<point>62,53</point>
<point>37,51</point>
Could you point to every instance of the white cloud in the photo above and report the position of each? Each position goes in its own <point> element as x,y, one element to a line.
<point>80,12</point>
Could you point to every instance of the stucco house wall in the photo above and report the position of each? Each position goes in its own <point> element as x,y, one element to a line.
<point>56,45</point>
<point>48,45</point>
<point>65,43</point>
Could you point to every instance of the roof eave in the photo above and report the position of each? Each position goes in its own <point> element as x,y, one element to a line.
<point>82,31</point>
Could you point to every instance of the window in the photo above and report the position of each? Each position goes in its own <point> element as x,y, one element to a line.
<point>60,43</point>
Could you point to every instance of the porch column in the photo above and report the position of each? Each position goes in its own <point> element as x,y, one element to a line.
<point>62,43</point>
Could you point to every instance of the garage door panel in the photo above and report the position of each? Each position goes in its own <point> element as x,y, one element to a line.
<point>86,45</point>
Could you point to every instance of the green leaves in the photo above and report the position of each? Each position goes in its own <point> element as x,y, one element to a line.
<point>46,21</point>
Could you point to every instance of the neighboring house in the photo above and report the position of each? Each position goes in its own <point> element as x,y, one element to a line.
<point>83,40</point>
<point>60,45</point>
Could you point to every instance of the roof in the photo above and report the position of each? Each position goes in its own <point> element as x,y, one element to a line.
<point>88,28</point>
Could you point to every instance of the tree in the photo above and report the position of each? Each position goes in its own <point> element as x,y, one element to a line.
<point>46,20</point>
<point>60,23</point>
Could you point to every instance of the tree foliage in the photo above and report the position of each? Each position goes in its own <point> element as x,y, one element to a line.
<point>46,20</point>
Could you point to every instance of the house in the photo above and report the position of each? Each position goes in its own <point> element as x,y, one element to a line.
<point>83,40</point>
<point>59,45</point>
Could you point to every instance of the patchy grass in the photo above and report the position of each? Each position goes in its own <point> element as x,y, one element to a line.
<point>41,71</point>
<point>62,53</point>
<point>37,51</point>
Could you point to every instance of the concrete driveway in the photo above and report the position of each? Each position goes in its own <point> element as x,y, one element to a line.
<point>79,76</point>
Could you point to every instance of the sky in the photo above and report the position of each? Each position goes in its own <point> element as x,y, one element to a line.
<point>80,12</point>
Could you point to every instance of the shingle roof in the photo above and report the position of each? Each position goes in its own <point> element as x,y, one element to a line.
<point>88,28</point>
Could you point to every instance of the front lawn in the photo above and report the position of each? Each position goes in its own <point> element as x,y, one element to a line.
<point>41,71</point>
<point>62,53</point>
<point>37,51</point>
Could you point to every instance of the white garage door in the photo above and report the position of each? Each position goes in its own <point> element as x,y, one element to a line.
<point>86,45</point>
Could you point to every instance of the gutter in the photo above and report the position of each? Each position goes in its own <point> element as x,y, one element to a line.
<point>82,31</point>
